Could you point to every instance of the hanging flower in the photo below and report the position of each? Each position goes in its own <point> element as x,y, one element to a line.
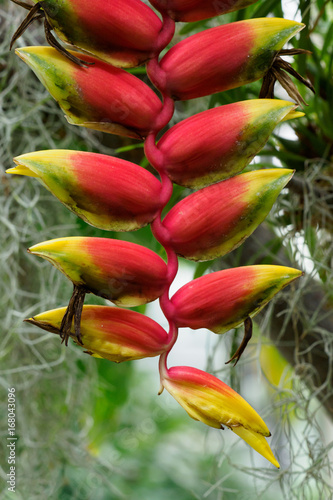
<point>198,152</point>
<point>209,400</point>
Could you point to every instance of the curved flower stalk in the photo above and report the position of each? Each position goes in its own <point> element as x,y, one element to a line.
<point>97,188</point>
<point>124,37</point>
<point>197,10</point>
<point>83,93</point>
<point>209,400</point>
<point>209,147</point>
<point>110,332</point>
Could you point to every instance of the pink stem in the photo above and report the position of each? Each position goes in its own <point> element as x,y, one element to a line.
<point>157,160</point>
<point>153,68</point>
<point>166,34</point>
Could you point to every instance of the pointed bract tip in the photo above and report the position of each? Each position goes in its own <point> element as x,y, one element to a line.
<point>44,325</point>
<point>257,442</point>
<point>280,23</point>
<point>48,246</point>
<point>46,60</point>
<point>274,31</point>
<point>25,53</point>
<point>293,114</point>
<point>276,173</point>
<point>283,273</point>
<point>21,169</point>
<point>40,50</point>
<point>21,53</point>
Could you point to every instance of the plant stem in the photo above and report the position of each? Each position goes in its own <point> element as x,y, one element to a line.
<point>157,161</point>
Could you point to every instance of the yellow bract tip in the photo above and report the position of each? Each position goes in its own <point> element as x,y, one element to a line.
<point>55,245</point>
<point>279,23</point>
<point>41,51</point>
<point>21,170</point>
<point>269,175</point>
<point>293,114</point>
<point>44,61</point>
<point>53,316</point>
<point>20,53</point>
<point>274,32</point>
<point>257,442</point>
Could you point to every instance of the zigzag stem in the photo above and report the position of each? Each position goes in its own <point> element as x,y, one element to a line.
<point>162,236</point>
<point>156,159</point>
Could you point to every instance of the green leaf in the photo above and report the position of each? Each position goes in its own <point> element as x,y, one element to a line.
<point>266,7</point>
<point>201,268</point>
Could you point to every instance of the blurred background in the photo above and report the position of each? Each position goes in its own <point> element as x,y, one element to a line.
<point>90,429</point>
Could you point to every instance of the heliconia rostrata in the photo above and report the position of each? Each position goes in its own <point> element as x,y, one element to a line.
<point>206,151</point>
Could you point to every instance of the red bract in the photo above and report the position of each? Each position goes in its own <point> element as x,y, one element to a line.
<point>110,332</point>
<point>97,188</point>
<point>122,35</point>
<point>123,272</point>
<point>220,142</point>
<point>223,58</point>
<point>215,220</point>
<point>224,299</point>
<point>100,97</point>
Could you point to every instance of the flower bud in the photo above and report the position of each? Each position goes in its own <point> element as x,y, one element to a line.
<point>220,142</point>
<point>223,300</point>
<point>100,97</point>
<point>122,36</point>
<point>111,333</point>
<point>197,10</point>
<point>224,57</point>
<point>217,219</point>
<point>209,400</point>
<point>107,192</point>
<point>125,273</point>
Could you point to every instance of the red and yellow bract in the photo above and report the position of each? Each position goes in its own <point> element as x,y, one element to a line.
<point>211,401</point>
<point>224,57</point>
<point>218,143</point>
<point>125,273</point>
<point>84,95</point>
<point>111,333</point>
<point>223,300</point>
<point>98,188</point>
